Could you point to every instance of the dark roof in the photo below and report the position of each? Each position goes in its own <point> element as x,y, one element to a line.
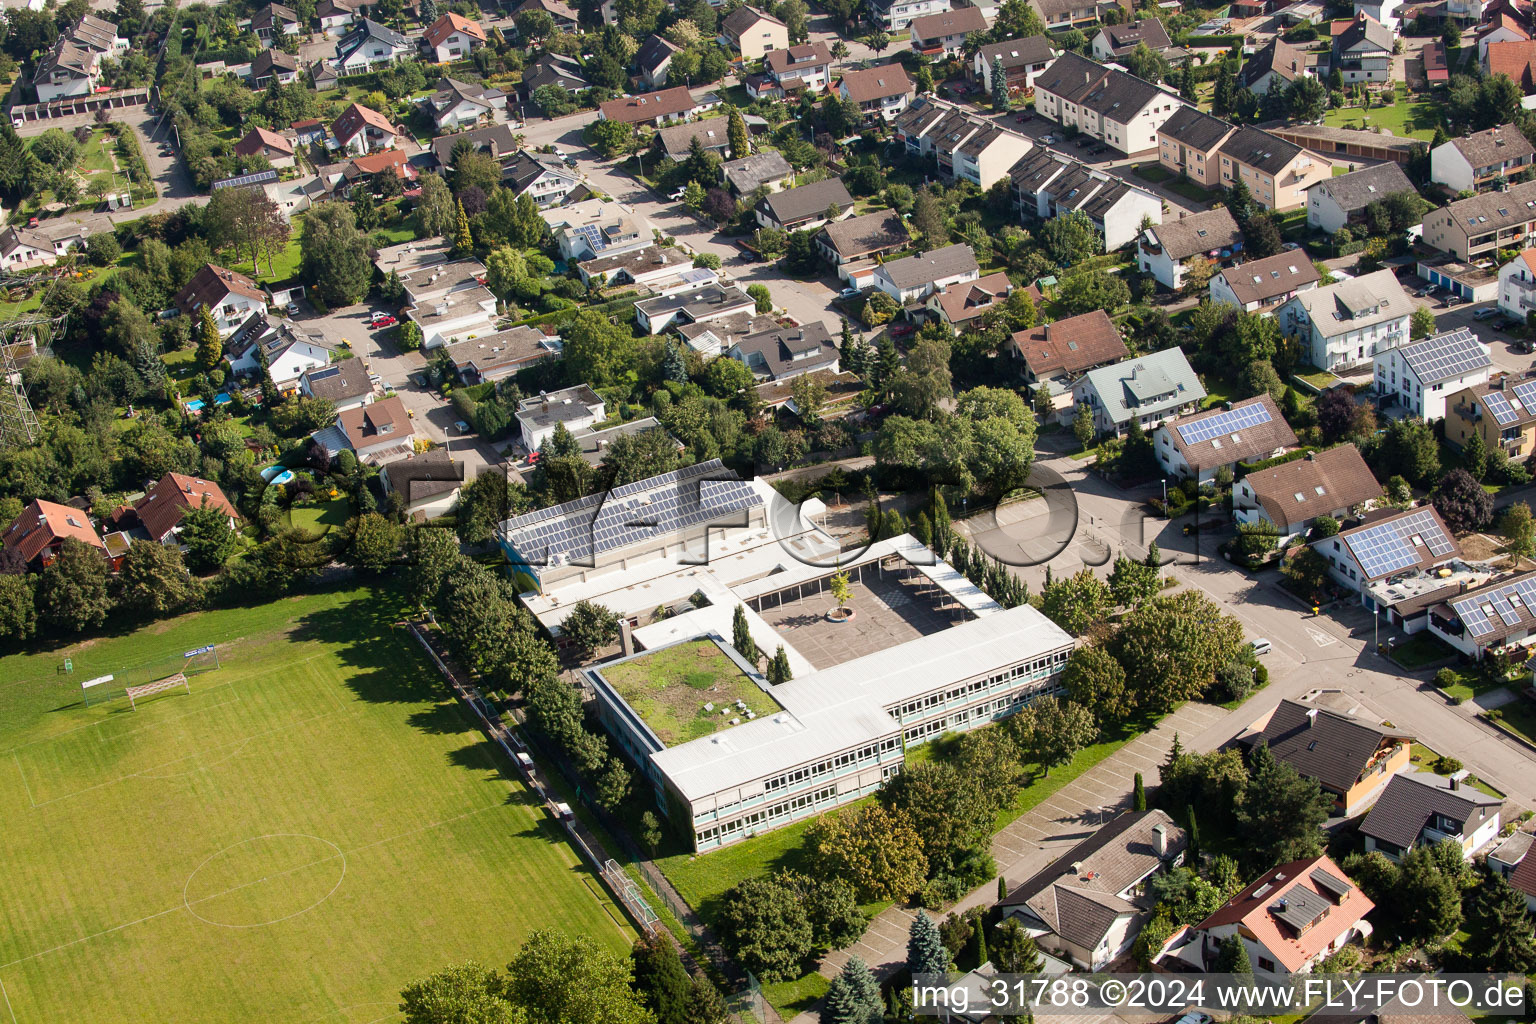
<point>1144,30</point>
<point>807,201</point>
<point>961,21</point>
<point>1334,749</point>
<point>1266,279</point>
<point>1254,440</point>
<point>1121,96</point>
<point>526,168</point>
<point>742,19</point>
<point>1197,233</point>
<point>552,69</point>
<point>424,476</point>
<point>1359,189</point>
<point>1284,59</point>
<point>857,236</point>
<point>932,266</point>
<point>775,353</point>
<point>269,61</point>
<point>1017,52</point>
<point>1070,345</point>
<point>677,140</point>
<point>1269,153</point>
<point>339,381</point>
<point>806,55</point>
<point>1071,76</point>
<point>746,174</point>
<point>1364,29</point>
<point>594,443</point>
<point>1299,491</point>
<point>498,140</point>
<point>1195,129</point>
<point>653,53</point>
<point>1412,799</point>
<point>649,106</point>
<point>1494,146</point>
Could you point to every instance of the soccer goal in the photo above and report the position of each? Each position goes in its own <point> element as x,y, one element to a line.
<point>137,693</point>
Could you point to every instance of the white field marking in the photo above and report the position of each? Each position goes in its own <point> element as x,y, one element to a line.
<point>8,1006</point>
<point>94,725</point>
<point>189,904</point>
<point>1320,638</point>
<point>157,723</point>
<point>23,774</point>
<point>181,906</point>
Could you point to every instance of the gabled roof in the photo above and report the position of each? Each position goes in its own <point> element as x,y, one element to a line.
<point>877,83</point>
<point>1288,62</point>
<point>498,140</point>
<point>95,33</point>
<point>1445,355</point>
<point>1018,52</point>
<point>1196,234</point>
<point>1299,491</point>
<point>43,522</point>
<point>357,117</point>
<point>958,22</point>
<point>1252,428</point>
<point>424,476</point>
<point>1126,36</point>
<point>1146,385</point>
<point>161,508</point>
<point>450,92</point>
<point>1524,875</point>
<point>258,139</point>
<point>858,236</point>
<point>367,29</point>
<point>65,56</point>
<point>1297,910</point>
<point>1359,189</point>
<point>1196,129</point>
<point>778,351</point>
<point>1507,22</point>
<point>1071,76</point>
<point>274,13</point>
<point>269,62</point>
<point>654,52</point>
<point>677,140</point>
<point>211,284</point>
<point>808,201</point>
<point>1365,33</point>
<point>1335,749</point>
<point>1265,280</point>
<point>552,69</point>
<point>526,168</point>
<point>649,106</point>
<point>931,266</point>
<point>1514,58</point>
<point>1364,301</point>
<point>339,381</point>
<point>375,423</point>
<point>1494,146</point>
<point>806,55</point>
<point>1072,345</point>
<point>1257,148</point>
<point>1120,96</point>
<point>1413,799</point>
<point>746,174</point>
<point>968,300</point>
<point>742,19</point>
<point>447,25</point>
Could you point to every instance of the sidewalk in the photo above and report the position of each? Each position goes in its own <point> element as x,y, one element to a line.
<point>1038,837</point>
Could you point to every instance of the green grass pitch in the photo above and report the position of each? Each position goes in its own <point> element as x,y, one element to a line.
<point>314,827</point>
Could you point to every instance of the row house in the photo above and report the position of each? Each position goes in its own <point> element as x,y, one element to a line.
<point>1110,105</point>
<point>1477,162</point>
<point>965,145</point>
<point>1023,61</point>
<point>1188,144</point>
<point>1480,225</point>
<point>883,91</point>
<point>1047,184</point>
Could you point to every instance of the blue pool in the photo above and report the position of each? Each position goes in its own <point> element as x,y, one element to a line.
<point>283,477</point>
<point>222,398</point>
<point>196,405</point>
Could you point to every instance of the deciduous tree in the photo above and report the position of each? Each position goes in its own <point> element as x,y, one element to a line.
<point>1172,645</point>
<point>465,993</point>
<point>557,979</point>
<point>875,850</point>
<point>1462,502</point>
<point>1050,732</point>
<point>334,255</point>
<point>73,592</point>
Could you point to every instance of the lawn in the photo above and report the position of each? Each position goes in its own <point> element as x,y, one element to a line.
<point>312,828</point>
<point>286,264</point>
<point>322,517</point>
<point>1519,717</point>
<point>1424,759</point>
<point>687,690</point>
<point>1404,118</point>
<point>1421,649</point>
<point>1153,172</point>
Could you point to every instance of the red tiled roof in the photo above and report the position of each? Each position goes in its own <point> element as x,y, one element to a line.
<point>877,83</point>
<point>162,506</point>
<point>312,122</point>
<point>259,139</point>
<point>384,160</point>
<point>1076,343</point>
<point>1258,909</point>
<point>209,286</point>
<point>1513,58</point>
<point>357,117</point>
<point>43,524</point>
<point>447,25</point>
<point>962,302</point>
<point>1507,22</point>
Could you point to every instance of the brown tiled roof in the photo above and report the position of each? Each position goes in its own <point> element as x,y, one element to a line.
<point>1327,480</point>
<point>357,117</point>
<point>1496,145</point>
<point>808,55</point>
<point>1263,280</point>
<point>1513,58</point>
<point>1334,749</point>
<point>742,19</point>
<point>871,232</point>
<point>961,21</point>
<point>209,286</point>
<point>258,139</point>
<point>1289,929</point>
<point>1200,233</point>
<point>42,523</point>
<point>424,476</point>
<point>447,25</point>
<point>1070,345</point>
<point>384,160</point>
<point>162,506</point>
<point>877,83</point>
<point>1257,441</point>
<point>1524,875</point>
<point>649,106</point>
<point>373,424</point>
<point>962,302</point>
<point>338,381</point>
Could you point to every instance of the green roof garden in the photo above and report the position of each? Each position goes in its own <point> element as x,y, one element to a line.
<point>687,690</point>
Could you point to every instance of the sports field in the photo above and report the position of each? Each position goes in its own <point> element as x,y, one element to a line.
<point>315,826</point>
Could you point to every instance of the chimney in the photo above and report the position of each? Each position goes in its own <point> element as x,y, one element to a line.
<point>1463,586</point>
<point>1311,717</point>
<point>1077,867</point>
<point>1457,778</point>
<point>1311,456</point>
<point>1160,839</point>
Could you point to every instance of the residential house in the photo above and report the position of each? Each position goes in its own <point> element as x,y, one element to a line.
<point>565,16</point>
<point>1067,347</point>
<point>273,22</point>
<point>1338,202</point>
<point>805,208</point>
<point>1500,411</point>
<point>1091,903</point>
<point>964,144</point>
<point>676,141</point>
<point>497,141</point>
<point>23,248</point>
<point>337,16</point>
<point>41,530</point>
<point>261,142</point>
<point>752,33</point>
<point>1515,59</point>
<point>428,484</point>
<point>273,66</point>
<point>1023,61</point>
<point>378,433</point>
<point>1291,495</point>
<point>962,305</point>
<point>1188,144</point>
<point>97,35</point>
<point>884,91</point>
<point>1107,104</point>
<point>895,15</point>
<point>1385,11</point>
<point>1384,543</point>
<point>1362,53</point>
<point>546,178</point>
<point>645,266</point>
<point>492,357</point>
<point>804,67</point>
<point>715,337</point>
<point>161,509</point>
<point>1347,323</point>
<point>450,38</point>
<point>1349,757</point>
<point>360,130</point>
<point>231,297</point>
<point>656,108</point>
<point>287,350</point>
<point>369,45</point>
<point>1291,918</point>
<point>1165,250</point>
<point>308,131</point>
<point>344,383</point>
<point>577,408</point>
<point>852,245</point>
<point>1196,446</point>
<point>916,277</point>
<point>943,34</point>
<point>1480,225</point>
<point>786,352</point>
<point>1501,28</point>
<point>697,305</point>
<point>554,69</point>
<point>449,302</point>
<point>1499,615</point>
<point>1437,66</point>
<point>65,72</point>
<point>1063,15</point>
<point>1116,42</point>
<point>1277,173</point>
<point>1477,162</point>
<point>1419,376</point>
<point>1517,284</point>
<point>295,195</point>
<point>1423,809</point>
<point>1047,184</point>
<point>596,228</point>
<point>593,444</point>
<point>1263,285</point>
<point>760,170</point>
<point>455,104</point>
<point>1148,389</point>
<point>1507,856</point>
<point>653,61</point>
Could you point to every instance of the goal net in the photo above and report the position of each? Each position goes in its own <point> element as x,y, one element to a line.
<point>138,693</point>
<point>182,666</point>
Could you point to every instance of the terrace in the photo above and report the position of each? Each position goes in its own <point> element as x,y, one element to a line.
<point>688,690</point>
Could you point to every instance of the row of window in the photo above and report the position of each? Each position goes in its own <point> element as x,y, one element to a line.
<point>925,731</point>
<point>1046,664</point>
<point>848,757</point>
<point>757,819</point>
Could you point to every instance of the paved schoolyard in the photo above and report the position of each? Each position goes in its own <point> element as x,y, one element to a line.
<point>887,611</point>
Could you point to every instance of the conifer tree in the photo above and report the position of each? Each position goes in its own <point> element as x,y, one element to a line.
<point>925,947</point>
<point>741,637</point>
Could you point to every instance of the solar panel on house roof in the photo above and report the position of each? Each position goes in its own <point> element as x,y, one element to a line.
<point>1502,410</point>
<point>1446,355</point>
<point>1387,547</point>
<point>1224,423</point>
<point>1509,602</point>
<point>1526,392</point>
<point>324,373</point>
<point>246,180</point>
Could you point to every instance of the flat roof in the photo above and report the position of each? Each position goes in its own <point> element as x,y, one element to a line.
<point>688,690</point>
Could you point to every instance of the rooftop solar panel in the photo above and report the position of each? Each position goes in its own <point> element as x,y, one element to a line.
<point>324,373</point>
<point>1402,542</point>
<point>1513,603</point>
<point>1223,423</point>
<point>1498,404</point>
<point>1446,355</point>
<point>1525,391</point>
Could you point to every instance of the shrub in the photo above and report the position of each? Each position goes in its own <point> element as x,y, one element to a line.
<point>1446,765</point>
<point>1447,678</point>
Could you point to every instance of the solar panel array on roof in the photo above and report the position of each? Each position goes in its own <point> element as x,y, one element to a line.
<point>1223,423</point>
<point>704,493</point>
<point>1526,392</point>
<point>1446,355</point>
<point>1504,412</point>
<point>1387,547</point>
<point>246,180</point>
<point>324,373</point>
<point>1508,602</point>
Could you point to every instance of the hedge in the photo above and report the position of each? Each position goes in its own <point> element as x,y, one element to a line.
<point>1222,41</point>
<point>1244,468</point>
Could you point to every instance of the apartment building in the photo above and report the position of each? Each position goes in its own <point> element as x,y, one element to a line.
<point>1477,162</point>
<point>1164,250</point>
<point>1277,173</point>
<point>1480,225</point>
<point>1347,323</point>
<point>1110,105</point>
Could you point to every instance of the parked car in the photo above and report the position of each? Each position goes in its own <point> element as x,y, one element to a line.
<point>1021,118</point>
<point>1291,246</point>
<point>292,309</point>
<point>384,322</point>
<point>901,330</point>
<point>1261,646</point>
<point>1486,313</point>
<point>850,293</point>
<point>1047,140</point>
<point>1505,323</point>
<point>378,315</point>
<point>677,196</point>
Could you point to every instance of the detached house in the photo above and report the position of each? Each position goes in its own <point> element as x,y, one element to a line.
<point>231,297</point>
<point>1164,250</point>
<point>807,207</point>
<point>1189,144</point>
<point>1421,375</point>
<point>577,408</point>
<point>1023,61</point>
<point>675,104</point>
<point>261,142</point>
<point>546,178</point>
<point>378,433</point>
<point>1501,28</point>
<point>41,529</point>
<point>895,15</point>
<point>884,91</point>
<point>273,22</point>
<point>274,65</point>
<point>369,45</point>
<point>1197,445</point>
<point>1276,65</point>
<point>289,352</point>
<point>455,104</point>
<point>1334,203</point>
<point>1067,347</point>
<point>1113,42</point>
<point>852,245</point>
<point>23,248</point>
<point>553,69</point>
<point>1062,15</point>
<point>1347,323</point>
<point>1385,543</point>
<point>1277,173</point>
<point>594,228</point>
<point>1293,494</point>
<point>752,33</point>
<point>943,34</point>
<point>336,16</point>
<point>1091,903</point>
<point>1348,756</point>
<point>1517,284</point>
<point>1362,53</point>
<point>1110,105</point>
<point>653,61</point>
<point>360,130</point>
<point>676,140</point>
<point>163,505</point>
<point>1475,163</point>
<point>344,383</point>
<point>1262,285</point>
<point>452,37</point>
<point>693,306</point>
<point>962,305</point>
<point>786,352</point>
<point>804,67</point>
<point>428,484</point>
<point>760,170</point>
<point>1480,225</point>
<point>1148,389</point>
<point>917,277</point>
<point>1421,809</point>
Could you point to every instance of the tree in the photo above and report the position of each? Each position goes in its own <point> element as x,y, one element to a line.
<point>1071,239</point>
<point>465,993</point>
<point>1260,378</point>
<point>556,979</point>
<point>1422,323</point>
<point>1430,899</point>
<point>1232,957</point>
<point>209,540</point>
<point>434,553</point>
<point>435,207</point>
<point>210,348</point>
<point>1050,732</point>
<point>1094,679</point>
<point>1336,412</point>
<point>1075,602</point>
<point>153,579</point>
<point>925,947</point>
<point>73,591</point>
<point>1462,502</point>
<point>1408,448</point>
<point>638,456</point>
<point>1519,531</point>
<point>596,350</point>
<point>853,997</point>
<point>1082,425</point>
<point>741,636</point>
<point>1000,97</point>
<point>535,24</point>
<point>765,927</point>
<point>1282,813</point>
<point>334,255</point>
<point>1261,236</point>
<point>663,983</point>
<point>760,293</point>
<point>1138,794</point>
<point>18,609</point>
<point>1083,291</point>
<point>1474,454</point>
<point>1501,930</point>
<point>15,164</point>
<point>1172,646</point>
<point>778,667</point>
<point>463,241</point>
<point>1306,98</point>
<point>1132,582</point>
<point>736,133</point>
<point>875,850</point>
<point>1451,37</point>
<point>590,625</point>
<point>375,543</point>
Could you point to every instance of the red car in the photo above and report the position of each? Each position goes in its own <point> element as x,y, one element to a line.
<point>383,322</point>
<point>901,330</point>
